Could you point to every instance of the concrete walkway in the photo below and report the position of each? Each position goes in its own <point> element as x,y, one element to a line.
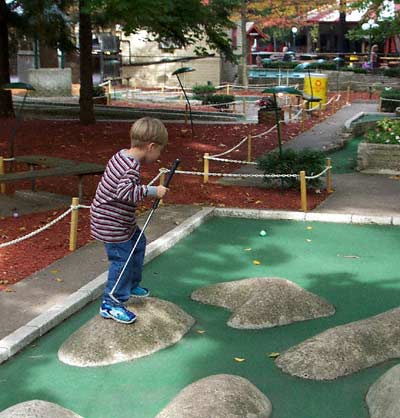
<point>40,291</point>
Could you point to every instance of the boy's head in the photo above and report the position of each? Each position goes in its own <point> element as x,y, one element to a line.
<point>150,136</point>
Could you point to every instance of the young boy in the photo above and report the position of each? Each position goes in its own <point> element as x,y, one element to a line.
<point>113,216</point>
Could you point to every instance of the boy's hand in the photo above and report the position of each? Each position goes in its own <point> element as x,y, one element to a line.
<point>161,191</point>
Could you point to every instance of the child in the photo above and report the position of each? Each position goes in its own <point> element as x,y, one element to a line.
<point>113,216</point>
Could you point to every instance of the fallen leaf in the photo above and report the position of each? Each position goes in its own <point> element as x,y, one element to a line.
<point>258,202</point>
<point>308,240</point>
<point>200,331</point>
<point>247,249</point>
<point>55,271</point>
<point>351,256</point>
<point>8,290</point>
<point>309,227</point>
<point>240,359</point>
<point>256,262</point>
<point>274,355</point>
<point>58,279</point>
<point>22,228</point>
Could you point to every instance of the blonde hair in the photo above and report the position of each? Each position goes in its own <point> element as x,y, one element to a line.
<point>146,130</point>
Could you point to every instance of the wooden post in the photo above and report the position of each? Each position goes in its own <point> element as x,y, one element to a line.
<point>290,110</point>
<point>244,106</point>
<point>227,88</point>
<point>109,93</point>
<point>329,176</point>
<point>162,89</point>
<point>73,235</point>
<point>206,167</point>
<point>249,139</point>
<point>348,95</point>
<point>234,107</point>
<point>320,111</point>
<point>2,185</point>
<point>303,118</point>
<point>303,191</point>
<point>380,104</point>
<point>162,182</point>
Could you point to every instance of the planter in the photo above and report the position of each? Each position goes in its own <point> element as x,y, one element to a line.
<point>378,158</point>
<point>268,117</point>
<point>100,100</point>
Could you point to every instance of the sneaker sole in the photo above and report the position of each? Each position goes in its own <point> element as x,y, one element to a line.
<point>105,315</point>
<point>143,297</point>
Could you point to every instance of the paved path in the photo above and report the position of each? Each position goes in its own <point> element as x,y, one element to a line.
<point>40,291</point>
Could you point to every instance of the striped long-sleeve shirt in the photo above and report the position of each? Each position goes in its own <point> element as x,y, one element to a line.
<point>112,213</point>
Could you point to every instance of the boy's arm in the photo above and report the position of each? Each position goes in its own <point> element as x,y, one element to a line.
<point>130,189</point>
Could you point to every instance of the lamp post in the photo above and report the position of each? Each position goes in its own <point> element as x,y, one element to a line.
<point>17,86</point>
<point>302,67</point>
<point>368,26</point>
<point>184,70</point>
<point>338,61</point>
<point>294,32</point>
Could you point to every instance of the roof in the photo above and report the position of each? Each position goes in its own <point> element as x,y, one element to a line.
<point>251,27</point>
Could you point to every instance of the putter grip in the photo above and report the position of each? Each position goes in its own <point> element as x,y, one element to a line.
<point>168,180</point>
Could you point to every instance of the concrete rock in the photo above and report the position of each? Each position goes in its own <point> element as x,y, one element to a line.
<point>219,396</point>
<point>37,409</point>
<point>345,349</point>
<point>383,397</point>
<point>101,342</point>
<point>264,302</point>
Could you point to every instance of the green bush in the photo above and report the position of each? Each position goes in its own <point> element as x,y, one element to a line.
<point>392,72</point>
<point>217,99</point>
<point>292,162</point>
<point>387,132</point>
<point>390,93</point>
<point>203,90</point>
<point>99,91</point>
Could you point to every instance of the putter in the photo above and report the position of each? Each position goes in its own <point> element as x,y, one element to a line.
<point>153,209</point>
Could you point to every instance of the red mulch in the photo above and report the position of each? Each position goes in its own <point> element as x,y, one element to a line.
<point>97,143</point>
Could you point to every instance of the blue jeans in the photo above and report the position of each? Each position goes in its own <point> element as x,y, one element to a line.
<point>118,253</point>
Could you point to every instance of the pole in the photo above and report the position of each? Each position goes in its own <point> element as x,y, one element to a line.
<point>303,191</point>
<point>2,185</point>
<point>348,95</point>
<point>329,176</point>
<point>249,139</point>
<point>73,235</point>
<point>244,106</point>
<point>162,182</point>
<point>188,102</point>
<point>206,167</point>
<point>227,89</point>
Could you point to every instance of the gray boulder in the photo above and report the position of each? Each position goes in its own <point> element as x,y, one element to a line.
<point>101,342</point>
<point>37,409</point>
<point>264,302</point>
<point>345,349</point>
<point>383,397</point>
<point>219,396</point>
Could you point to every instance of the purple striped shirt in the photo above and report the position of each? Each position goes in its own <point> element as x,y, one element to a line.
<point>112,213</point>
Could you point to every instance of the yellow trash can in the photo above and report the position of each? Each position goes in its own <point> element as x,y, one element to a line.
<point>319,83</point>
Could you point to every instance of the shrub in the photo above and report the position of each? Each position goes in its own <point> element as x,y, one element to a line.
<point>99,91</point>
<point>218,99</point>
<point>392,72</point>
<point>292,162</point>
<point>287,65</point>
<point>387,132</point>
<point>390,93</point>
<point>203,90</point>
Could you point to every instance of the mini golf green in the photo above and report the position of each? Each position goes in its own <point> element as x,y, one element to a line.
<point>358,287</point>
<point>345,160</point>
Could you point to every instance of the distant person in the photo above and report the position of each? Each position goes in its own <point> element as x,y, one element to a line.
<point>286,55</point>
<point>258,61</point>
<point>374,58</point>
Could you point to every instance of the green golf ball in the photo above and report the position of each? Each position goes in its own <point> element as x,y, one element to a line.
<point>263,233</point>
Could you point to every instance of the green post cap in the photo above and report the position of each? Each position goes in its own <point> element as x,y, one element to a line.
<point>183,70</point>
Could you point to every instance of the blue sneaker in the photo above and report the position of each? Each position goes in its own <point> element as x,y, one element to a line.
<point>117,313</point>
<point>140,292</point>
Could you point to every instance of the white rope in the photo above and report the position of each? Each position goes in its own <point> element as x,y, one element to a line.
<point>226,160</point>
<point>162,171</point>
<point>201,173</point>
<point>231,149</point>
<point>37,231</point>
<point>265,132</point>
<point>320,174</point>
<point>383,99</point>
<point>8,159</point>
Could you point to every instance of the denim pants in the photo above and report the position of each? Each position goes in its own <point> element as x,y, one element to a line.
<point>118,253</point>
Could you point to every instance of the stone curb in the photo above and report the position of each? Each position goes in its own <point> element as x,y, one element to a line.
<point>43,323</point>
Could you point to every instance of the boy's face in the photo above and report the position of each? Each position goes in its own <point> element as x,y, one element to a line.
<point>153,152</point>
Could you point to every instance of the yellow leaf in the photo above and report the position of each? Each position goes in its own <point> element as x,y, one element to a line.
<point>309,227</point>
<point>308,240</point>
<point>200,331</point>
<point>55,271</point>
<point>247,249</point>
<point>8,290</point>
<point>240,359</point>
<point>22,228</point>
<point>274,355</point>
<point>256,262</point>
<point>258,202</point>
<point>59,280</point>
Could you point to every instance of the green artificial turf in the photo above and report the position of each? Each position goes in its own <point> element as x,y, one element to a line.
<point>358,287</point>
<point>345,160</point>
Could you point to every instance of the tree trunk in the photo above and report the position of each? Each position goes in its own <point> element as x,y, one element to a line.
<point>243,15</point>
<point>6,106</point>
<point>86,67</point>
<point>342,26</point>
